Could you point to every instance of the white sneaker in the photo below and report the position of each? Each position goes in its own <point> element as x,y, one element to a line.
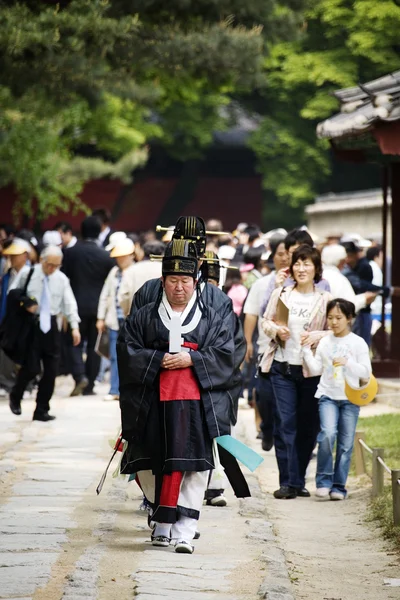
<point>337,496</point>
<point>3,393</point>
<point>218,501</point>
<point>111,397</point>
<point>322,492</point>
<point>183,547</point>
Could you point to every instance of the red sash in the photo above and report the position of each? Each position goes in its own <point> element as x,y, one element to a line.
<point>178,384</point>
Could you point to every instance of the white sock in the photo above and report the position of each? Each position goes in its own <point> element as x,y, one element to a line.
<point>184,529</point>
<point>162,529</point>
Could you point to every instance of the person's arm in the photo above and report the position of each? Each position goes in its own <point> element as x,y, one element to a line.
<point>250,323</point>
<point>137,364</point>
<point>214,362</point>
<point>361,366</point>
<point>270,327</point>
<point>70,310</point>
<point>103,299</point>
<point>313,362</point>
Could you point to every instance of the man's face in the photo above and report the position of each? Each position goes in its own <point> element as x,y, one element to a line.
<point>281,258</point>
<point>18,260</point>
<point>179,289</point>
<point>352,259</point>
<point>66,236</point>
<point>292,249</point>
<point>50,264</point>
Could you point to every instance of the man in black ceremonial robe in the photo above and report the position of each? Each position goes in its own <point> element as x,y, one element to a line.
<point>193,229</point>
<point>176,362</point>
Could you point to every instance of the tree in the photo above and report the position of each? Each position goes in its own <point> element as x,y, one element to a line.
<point>85,85</point>
<point>339,44</point>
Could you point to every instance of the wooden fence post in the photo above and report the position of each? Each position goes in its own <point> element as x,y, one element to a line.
<point>359,457</point>
<point>377,472</point>
<point>396,496</point>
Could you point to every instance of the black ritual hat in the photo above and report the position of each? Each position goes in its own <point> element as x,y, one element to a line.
<point>180,258</point>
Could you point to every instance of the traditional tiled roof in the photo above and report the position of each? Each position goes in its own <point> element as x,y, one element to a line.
<point>363,106</point>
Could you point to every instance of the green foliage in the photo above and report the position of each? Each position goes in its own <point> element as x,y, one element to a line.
<point>383,432</point>
<point>339,44</point>
<point>89,76</point>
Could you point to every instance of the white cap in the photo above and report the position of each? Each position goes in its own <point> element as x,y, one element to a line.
<point>357,239</point>
<point>17,247</point>
<point>226,252</point>
<point>52,238</point>
<point>115,238</point>
<point>333,254</point>
<point>125,247</point>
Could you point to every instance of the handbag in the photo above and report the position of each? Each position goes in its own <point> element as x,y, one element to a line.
<point>17,330</point>
<point>102,347</point>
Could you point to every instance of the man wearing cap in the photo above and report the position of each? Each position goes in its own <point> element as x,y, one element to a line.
<point>358,271</point>
<point>54,296</point>
<point>175,364</point>
<point>18,254</point>
<point>87,266</point>
<point>113,306</point>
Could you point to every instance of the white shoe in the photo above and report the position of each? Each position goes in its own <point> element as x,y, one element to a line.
<point>322,492</point>
<point>183,547</point>
<point>111,397</point>
<point>3,393</point>
<point>218,501</point>
<point>337,496</point>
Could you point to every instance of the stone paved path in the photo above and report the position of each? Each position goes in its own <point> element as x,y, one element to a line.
<point>58,540</point>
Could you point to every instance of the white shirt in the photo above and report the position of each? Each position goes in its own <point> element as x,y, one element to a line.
<point>299,306</point>
<point>62,299</point>
<point>253,306</point>
<point>332,381</point>
<point>377,279</point>
<point>16,278</point>
<point>72,242</point>
<point>341,287</point>
<point>103,235</point>
<point>144,271</point>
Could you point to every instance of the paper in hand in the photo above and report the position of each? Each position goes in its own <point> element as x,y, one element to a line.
<point>175,334</point>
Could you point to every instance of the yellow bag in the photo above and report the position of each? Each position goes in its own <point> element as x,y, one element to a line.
<point>362,395</point>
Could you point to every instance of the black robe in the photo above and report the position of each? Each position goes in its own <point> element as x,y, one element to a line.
<point>211,296</point>
<point>174,435</point>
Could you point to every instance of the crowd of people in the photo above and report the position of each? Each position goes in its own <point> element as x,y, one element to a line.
<point>196,318</point>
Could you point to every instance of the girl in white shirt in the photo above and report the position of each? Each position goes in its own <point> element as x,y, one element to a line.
<point>339,356</point>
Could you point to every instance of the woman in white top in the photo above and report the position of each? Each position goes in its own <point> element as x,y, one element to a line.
<point>295,408</point>
<point>115,305</point>
<point>339,356</point>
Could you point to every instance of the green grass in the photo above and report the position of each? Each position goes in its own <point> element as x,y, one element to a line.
<point>383,431</point>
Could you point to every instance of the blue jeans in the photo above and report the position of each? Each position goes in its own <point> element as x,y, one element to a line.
<point>114,389</point>
<point>338,424</point>
<point>296,423</point>
<point>362,326</point>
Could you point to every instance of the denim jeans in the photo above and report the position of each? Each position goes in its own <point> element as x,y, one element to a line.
<point>362,326</point>
<point>265,403</point>
<point>338,424</point>
<point>114,389</point>
<point>296,423</point>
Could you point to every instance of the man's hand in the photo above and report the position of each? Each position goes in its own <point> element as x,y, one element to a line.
<point>100,325</point>
<point>370,297</point>
<point>249,352</point>
<point>281,277</point>
<point>76,337</point>
<point>283,333</point>
<point>181,360</point>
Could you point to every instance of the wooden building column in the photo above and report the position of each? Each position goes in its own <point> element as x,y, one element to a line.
<point>395,180</point>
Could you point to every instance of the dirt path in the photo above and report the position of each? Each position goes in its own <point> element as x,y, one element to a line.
<point>332,553</point>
